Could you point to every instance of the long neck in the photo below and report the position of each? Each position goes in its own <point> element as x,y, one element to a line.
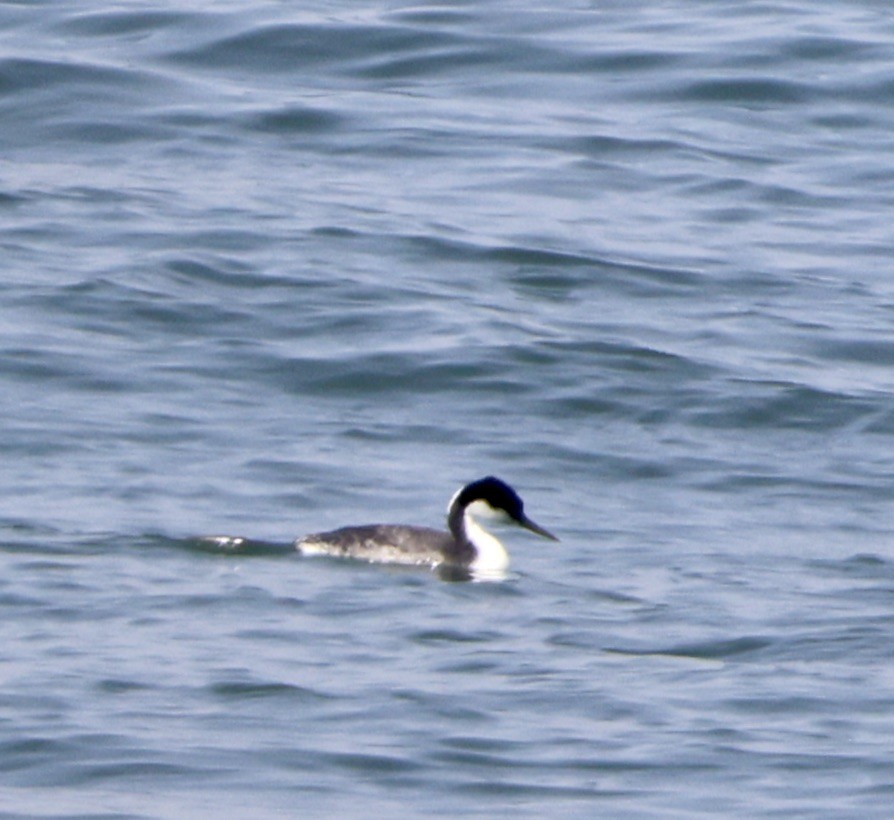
<point>486,552</point>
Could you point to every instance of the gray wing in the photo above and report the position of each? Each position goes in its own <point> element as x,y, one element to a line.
<point>380,543</point>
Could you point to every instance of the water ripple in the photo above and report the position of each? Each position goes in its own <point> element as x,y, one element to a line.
<point>270,270</point>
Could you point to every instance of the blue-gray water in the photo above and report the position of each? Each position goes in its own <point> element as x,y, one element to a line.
<point>269,268</point>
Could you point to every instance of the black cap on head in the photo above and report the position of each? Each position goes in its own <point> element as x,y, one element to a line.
<point>499,495</point>
<point>495,492</point>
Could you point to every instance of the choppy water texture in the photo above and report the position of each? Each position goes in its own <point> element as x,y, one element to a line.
<point>271,268</point>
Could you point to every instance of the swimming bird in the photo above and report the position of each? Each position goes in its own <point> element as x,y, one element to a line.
<point>467,550</point>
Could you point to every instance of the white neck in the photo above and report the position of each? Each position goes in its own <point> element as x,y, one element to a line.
<point>490,555</point>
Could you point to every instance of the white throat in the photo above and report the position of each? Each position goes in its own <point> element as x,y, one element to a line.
<point>491,557</point>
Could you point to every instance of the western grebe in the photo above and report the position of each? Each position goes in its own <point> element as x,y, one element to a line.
<point>466,550</point>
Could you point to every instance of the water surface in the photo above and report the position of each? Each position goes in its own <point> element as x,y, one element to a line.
<point>270,270</point>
